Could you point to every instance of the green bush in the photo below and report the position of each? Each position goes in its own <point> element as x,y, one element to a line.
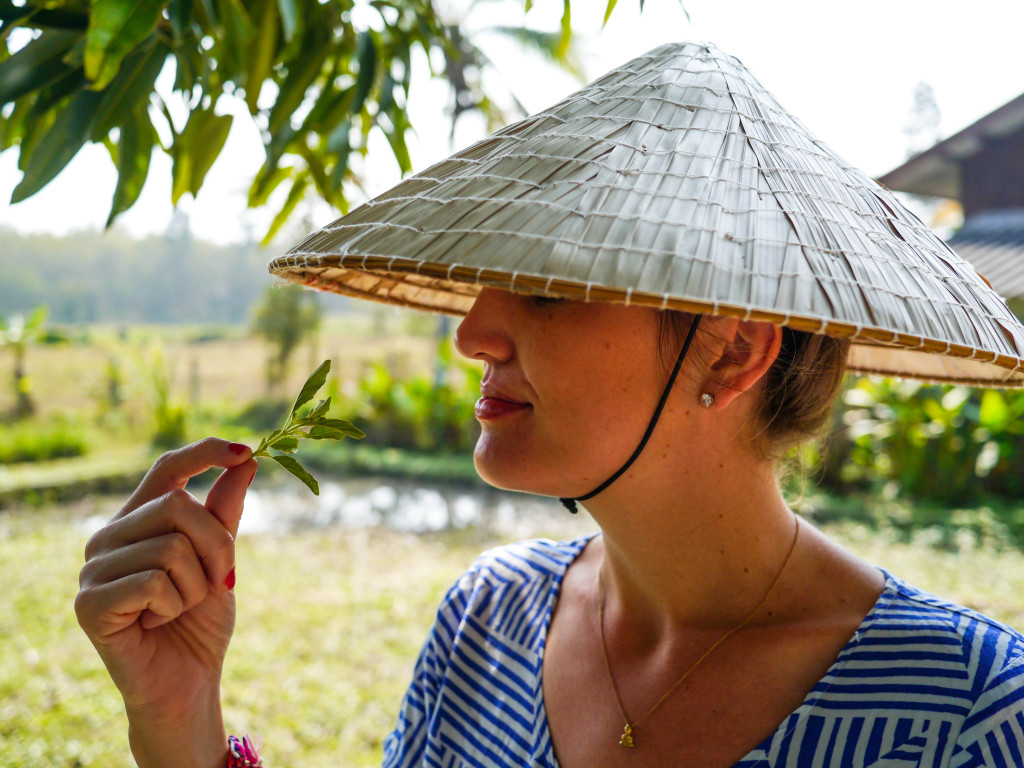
<point>170,413</point>
<point>264,414</point>
<point>28,441</point>
<point>421,413</point>
<point>946,443</point>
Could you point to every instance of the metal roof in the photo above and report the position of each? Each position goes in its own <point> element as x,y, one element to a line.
<point>993,242</point>
<point>936,171</point>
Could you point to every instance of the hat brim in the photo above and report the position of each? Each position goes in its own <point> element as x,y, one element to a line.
<point>451,290</point>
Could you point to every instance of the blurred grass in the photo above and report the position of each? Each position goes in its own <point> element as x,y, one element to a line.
<point>223,363</point>
<point>329,626</point>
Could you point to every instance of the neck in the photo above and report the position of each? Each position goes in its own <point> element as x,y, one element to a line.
<point>691,550</point>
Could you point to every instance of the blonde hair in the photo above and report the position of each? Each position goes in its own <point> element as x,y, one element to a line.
<point>800,387</point>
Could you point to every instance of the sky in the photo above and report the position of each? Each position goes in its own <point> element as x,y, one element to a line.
<point>846,69</point>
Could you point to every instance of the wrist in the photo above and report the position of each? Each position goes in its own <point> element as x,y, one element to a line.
<point>195,738</point>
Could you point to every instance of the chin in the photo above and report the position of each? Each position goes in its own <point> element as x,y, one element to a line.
<point>510,469</point>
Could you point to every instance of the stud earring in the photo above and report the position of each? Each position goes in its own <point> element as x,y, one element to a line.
<point>707,399</point>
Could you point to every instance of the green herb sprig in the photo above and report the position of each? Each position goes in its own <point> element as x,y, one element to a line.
<point>314,425</point>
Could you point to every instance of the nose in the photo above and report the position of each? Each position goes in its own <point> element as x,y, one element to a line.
<point>483,333</point>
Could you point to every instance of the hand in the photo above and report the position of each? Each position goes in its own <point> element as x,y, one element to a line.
<point>156,597</point>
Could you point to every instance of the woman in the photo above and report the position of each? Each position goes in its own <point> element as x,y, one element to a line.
<point>705,625</point>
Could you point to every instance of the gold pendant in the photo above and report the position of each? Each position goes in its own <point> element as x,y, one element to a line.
<point>626,739</point>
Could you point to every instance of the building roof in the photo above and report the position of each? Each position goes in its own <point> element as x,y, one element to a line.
<point>936,171</point>
<point>993,242</point>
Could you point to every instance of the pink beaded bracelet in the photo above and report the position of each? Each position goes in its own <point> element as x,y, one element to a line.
<point>243,753</point>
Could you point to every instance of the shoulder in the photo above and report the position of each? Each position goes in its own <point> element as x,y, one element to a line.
<point>511,568</point>
<point>509,587</point>
<point>525,561</point>
<point>948,657</point>
<point>984,644</point>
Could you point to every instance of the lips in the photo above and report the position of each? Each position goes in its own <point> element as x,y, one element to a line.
<point>495,404</point>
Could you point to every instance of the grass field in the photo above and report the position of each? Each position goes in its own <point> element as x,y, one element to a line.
<point>227,367</point>
<point>329,626</point>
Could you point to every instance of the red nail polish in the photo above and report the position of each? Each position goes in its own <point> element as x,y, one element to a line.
<point>252,478</point>
<point>238,448</point>
<point>229,582</point>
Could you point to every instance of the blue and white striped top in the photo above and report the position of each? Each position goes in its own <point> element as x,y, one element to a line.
<point>921,683</point>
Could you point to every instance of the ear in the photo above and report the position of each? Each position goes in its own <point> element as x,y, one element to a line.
<point>745,352</point>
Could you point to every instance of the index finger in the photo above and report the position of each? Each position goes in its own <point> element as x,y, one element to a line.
<point>174,469</point>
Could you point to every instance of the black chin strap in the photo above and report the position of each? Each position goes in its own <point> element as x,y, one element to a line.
<point>570,503</point>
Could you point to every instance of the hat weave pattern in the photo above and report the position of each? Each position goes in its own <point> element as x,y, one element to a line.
<point>676,181</point>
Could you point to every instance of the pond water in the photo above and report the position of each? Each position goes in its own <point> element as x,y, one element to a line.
<point>410,507</point>
<point>282,505</point>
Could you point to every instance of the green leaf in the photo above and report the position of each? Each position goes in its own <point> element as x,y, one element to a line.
<point>608,11</point>
<point>212,137</point>
<point>994,410</point>
<point>340,146</point>
<point>34,126</point>
<point>264,184</point>
<point>115,28</point>
<point>301,74</point>
<point>316,170</point>
<point>196,149</point>
<point>32,117</point>
<point>563,44</point>
<point>37,65</point>
<point>299,471</point>
<point>286,445</point>
<point>396,138</point>
<point>132,85</point>
<point>238,33</point>
<point>330,433</point>
<point>345,427</point>
<point>62,142</point>
<point>319,410</point>
<point>367,57</point>
<point>180,14</point>
<point>261,59</point>
<point>313,384</point>
<point>289,17</point>
<point>187,65</point>
<point>295,195</point>
<point>134,150</point>
<point>331,108</point>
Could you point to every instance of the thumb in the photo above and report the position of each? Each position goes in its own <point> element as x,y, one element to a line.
<point>227,495</point>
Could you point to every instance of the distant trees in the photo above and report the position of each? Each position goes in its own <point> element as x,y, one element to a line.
<point>286,316</point>
<point>95,278</point>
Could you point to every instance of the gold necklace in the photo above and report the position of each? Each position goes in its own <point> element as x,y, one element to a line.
<point>627,739</point>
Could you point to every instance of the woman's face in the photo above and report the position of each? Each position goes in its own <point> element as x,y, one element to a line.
<point>567,392</point>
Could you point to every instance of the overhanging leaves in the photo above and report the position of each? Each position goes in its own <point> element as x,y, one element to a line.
<point>315,84</point>
<point>37,65</point>
<point>115,28</point>
<point>133,155</point>
<point>65,137</point>
<point>196,149</point>
<point>132,86</point>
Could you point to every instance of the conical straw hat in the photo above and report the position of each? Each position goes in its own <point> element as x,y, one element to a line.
<point>676,181</point>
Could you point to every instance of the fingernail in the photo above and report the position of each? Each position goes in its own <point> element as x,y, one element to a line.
<point>252,478</point>
<point>238,448</point>
<point>229,582</point>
